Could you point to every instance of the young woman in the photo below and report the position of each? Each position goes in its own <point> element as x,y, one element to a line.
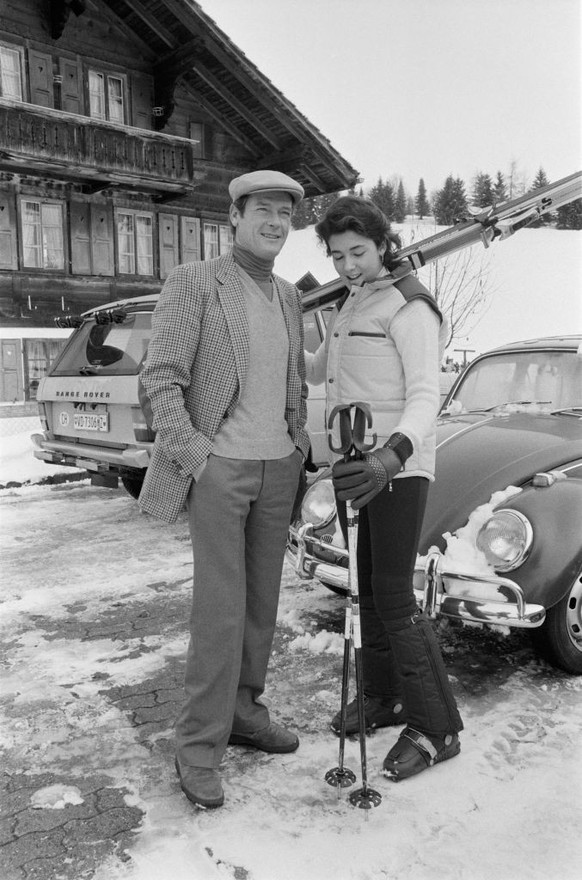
<point>384,346</point>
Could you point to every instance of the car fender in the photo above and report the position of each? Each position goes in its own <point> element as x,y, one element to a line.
<point>555,559</point>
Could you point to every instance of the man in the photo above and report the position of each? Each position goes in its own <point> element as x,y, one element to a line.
<point>226,380</point>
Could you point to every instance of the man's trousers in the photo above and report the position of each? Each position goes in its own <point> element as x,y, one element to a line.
<point>239,512</point>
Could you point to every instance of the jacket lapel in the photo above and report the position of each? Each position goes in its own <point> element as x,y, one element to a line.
<point>286,307</point>
<point>231,296</point>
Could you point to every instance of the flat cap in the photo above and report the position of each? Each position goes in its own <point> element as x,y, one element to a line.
<point>265,181</point>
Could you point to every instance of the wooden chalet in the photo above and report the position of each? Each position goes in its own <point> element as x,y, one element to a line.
<point>121,124</point>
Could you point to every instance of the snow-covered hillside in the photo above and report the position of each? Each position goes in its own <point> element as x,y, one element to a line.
<point>534,281</point>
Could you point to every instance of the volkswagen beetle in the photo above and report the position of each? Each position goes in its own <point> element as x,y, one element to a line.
<point>501,543</point>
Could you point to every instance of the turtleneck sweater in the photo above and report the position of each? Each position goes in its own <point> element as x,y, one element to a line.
<point>259,269</point>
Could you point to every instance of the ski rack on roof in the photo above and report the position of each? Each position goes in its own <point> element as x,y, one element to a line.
<point>483,226</point>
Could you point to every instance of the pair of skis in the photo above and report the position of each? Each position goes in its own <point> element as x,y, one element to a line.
<point>484,226</point>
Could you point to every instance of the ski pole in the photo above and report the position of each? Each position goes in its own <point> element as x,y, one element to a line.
<point>352,442</point>
<point>342,776</point>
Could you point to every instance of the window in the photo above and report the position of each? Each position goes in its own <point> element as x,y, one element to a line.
<point>311,332</point>
<point>135,243</point>
<point>10,73</point>
<point>197,135</point>
<point>42,235</point>
<point>115,349</point>
<point>39,354</point>
<point>545,379</point>
<point>217,240</point>
<point>106,97</point>
<point>224,238</point>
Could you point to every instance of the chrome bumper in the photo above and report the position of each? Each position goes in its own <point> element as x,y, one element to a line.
<point>83,456</point>
<point>438,592</point>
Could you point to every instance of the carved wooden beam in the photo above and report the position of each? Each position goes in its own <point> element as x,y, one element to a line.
<point>59,11</point>
<point>152,22</point>
<point>211,80</point>
<point>221,122</point>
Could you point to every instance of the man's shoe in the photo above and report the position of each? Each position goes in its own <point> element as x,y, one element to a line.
<point>201,785</point>
<point>376,714</point>
<point>414,752</point>
<point>273,738</point>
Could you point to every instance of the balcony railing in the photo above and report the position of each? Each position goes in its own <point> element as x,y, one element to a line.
<point>79,147</point>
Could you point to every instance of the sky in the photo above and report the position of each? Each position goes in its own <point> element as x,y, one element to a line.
<point>425,88</point>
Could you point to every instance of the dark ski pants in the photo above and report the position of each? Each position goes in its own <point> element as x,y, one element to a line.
<point>401,657</point>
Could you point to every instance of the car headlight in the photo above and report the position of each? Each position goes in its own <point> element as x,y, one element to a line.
<point>505,539</point>
<point>318,505</point>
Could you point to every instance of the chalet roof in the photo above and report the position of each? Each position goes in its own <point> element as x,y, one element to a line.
<point>189,46</point>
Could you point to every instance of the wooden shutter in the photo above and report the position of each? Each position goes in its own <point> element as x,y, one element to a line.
<point>142,100</point>
<point>71,88</point>
<point>40,68</point>
<point>10,371</point>
<point>168,232</point>
<point>80,214</point>
<point>8,245</point>
<point>190,228</point>
<point>102,240</point>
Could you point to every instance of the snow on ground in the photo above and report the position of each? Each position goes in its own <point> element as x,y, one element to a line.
<point>509,807</point>
<point>17,462</point>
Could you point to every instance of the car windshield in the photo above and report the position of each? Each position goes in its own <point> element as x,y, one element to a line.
<point>546,380</point>
<point>111,349</point>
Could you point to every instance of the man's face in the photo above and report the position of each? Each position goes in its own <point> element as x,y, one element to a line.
<point>265,224</point>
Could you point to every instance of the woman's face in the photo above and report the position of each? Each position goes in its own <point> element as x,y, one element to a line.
<point>356,258</point>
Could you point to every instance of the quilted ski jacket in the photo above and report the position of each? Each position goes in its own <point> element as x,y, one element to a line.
<point>384,345</point>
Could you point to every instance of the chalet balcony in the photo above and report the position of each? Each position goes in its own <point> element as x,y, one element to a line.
<point>97,154</point>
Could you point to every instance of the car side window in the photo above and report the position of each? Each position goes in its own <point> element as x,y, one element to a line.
<point>311,331</point>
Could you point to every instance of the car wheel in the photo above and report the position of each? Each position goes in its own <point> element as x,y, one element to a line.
<point>132,482</point>
<point>559,639</point>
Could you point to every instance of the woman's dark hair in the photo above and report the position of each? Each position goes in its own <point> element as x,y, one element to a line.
<point>360,215</point>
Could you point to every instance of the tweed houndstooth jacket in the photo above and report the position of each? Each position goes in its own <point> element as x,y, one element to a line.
<point>195,368</point>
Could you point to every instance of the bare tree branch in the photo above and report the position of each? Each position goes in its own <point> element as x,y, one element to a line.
<point>461,286</point>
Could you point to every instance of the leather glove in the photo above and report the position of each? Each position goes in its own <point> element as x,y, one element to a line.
<point>360,480</point>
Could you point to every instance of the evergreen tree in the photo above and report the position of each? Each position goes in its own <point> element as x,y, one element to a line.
<point>383,195</point>
<point>450,202</point>
<point>570,216</point>
<point>323,202</point>
<point>309,211</point>
<point>422,206</point>
<point>499,189</point>
<point>483,196</point>
<point>304,214</point>
<point>400,204</point>
<point>540,181</point>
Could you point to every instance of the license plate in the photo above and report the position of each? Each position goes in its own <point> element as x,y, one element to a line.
<point>91,421</point>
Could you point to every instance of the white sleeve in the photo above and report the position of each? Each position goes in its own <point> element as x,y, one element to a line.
<point>315,365</point>
<point>415,330</point>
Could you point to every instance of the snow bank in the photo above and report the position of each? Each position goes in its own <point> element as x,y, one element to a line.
<point>17,462</point>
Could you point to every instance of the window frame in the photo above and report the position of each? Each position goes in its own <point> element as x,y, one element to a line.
<point>218,245</point>
<point>198,138</point>
<point>18,50</point>
<point>42,246</point>
<point>135,254</point>
<point>107,77</point>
